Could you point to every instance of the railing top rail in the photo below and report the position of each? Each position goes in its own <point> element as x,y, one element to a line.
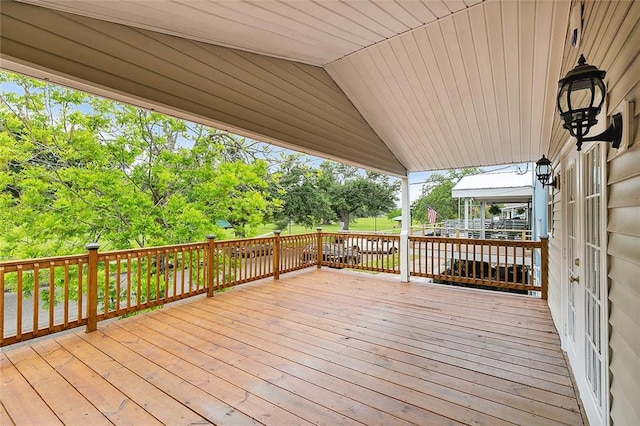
<point>300,235</point>
<point>156,249</point>
<point>244,240</point>
<point>12,264</point>
<point>361,234</point>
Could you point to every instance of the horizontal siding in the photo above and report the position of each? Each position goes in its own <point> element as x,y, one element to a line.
<point>621,217</point>
<point>626,193</point>
<point>626,247</point>
<point>624,168</point>
<point>249,94</point>
<point>556,262</point>
<point>629,330</point>
<point>624,409</point>
<point>624,265</point>
<point>624,296</point>
<point>611,41</point>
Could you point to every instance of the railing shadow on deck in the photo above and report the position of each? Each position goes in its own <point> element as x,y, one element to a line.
<point>48,295</point>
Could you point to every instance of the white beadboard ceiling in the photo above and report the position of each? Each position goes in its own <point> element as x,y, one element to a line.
<point>436,84</point>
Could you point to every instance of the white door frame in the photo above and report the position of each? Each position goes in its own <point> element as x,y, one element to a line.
<point>577,354</point>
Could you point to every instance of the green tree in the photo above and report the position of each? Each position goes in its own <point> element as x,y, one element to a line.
<point>436,194</point>
<point>76,168</point>
<point>495,209</point>
<point>351,193</point>
<point>394,213</point>
<point>303,199</point>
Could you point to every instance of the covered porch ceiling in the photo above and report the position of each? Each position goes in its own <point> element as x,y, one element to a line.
<point>508,187</point>
<point>393,86</point>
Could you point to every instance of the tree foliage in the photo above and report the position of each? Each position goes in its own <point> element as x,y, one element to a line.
<point>436,194</point>
<point>298,188</point>
<point>76,168</point>
<point>332,192</point>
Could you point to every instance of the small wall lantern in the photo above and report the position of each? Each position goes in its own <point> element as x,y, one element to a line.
<point>544,172</point>
<point>580,97</point>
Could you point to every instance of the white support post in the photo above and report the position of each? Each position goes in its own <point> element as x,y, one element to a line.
<point>483,206</point>
<point>404,233</point>
<point>466,214</point>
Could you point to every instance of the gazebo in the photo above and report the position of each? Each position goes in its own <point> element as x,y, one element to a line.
<point>503,187</point>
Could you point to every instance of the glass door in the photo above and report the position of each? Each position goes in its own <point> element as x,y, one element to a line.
<point>585,276</point>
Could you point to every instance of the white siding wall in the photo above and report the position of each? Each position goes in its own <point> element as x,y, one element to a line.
<point>555,258</point>
<point>624,285</point>
<point>611,41</point>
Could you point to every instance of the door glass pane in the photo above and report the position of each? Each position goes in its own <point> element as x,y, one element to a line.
<point>571,254</point>
<point>592,279</point>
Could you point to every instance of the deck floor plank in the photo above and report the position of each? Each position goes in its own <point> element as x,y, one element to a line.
<point>171,352</point>
<point>19,396</point>
<point>317,346</point>
<point>418,325</point>
<point>376,354</point>
<point>138,388</point>
<point>151,363</point>
<point>411,337</point>
<point>68,404</point>
<point>4,416</point>
<point>312,372</point>
<point>412,375</point>
<point>217,351</point>
<point>110,401</point>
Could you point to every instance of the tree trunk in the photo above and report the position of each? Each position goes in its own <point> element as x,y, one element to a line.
<point>344,218</point>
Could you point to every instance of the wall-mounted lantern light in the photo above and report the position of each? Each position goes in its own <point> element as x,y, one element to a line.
<point>580,97</point>
<point>544,171</point>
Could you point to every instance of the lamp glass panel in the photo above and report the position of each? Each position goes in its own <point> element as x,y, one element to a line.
<point>563,99</point>
<point>544,170</point>
<point>599,94</point>
<point>580,96</point>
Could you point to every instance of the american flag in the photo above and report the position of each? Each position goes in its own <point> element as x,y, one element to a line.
<point>432,215</point>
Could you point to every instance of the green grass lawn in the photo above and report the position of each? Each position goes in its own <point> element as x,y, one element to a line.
<point>363,224</point>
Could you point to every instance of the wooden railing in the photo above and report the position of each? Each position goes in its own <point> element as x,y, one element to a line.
<point>294,252</point>
<point>28,293</point>
<point>367,252</point>
<point>488,263</point>
<point>44,296</point>
<point>241,261</point>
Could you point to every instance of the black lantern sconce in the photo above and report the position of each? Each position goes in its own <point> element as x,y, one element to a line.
<point>580,97</point>
<point>544,172</point>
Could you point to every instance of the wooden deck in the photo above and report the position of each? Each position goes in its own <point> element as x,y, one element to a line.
<point>319,346</point>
